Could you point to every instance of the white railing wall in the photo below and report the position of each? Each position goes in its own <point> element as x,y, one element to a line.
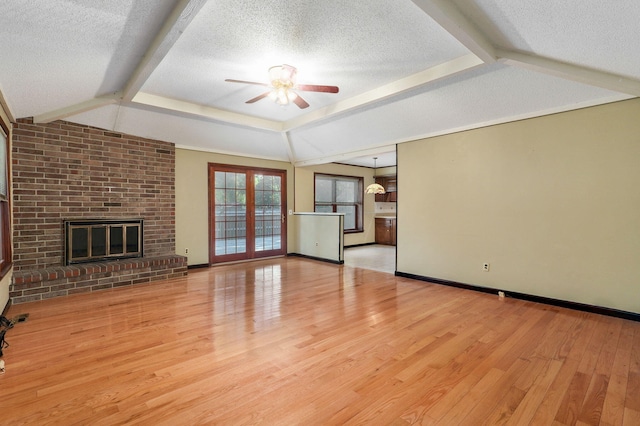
<point>320,235</point>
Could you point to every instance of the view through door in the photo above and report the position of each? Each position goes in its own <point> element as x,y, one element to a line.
<point>246,213</point>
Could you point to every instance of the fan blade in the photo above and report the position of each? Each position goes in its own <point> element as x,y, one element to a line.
<point>302,104</point>
<point>257,98</point>
<point>246,82</point>
<point>316,88</point>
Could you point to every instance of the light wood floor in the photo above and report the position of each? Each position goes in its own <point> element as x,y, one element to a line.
<point>294,341</point>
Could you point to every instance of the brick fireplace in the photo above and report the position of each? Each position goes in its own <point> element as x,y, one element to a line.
<point>63,170</point>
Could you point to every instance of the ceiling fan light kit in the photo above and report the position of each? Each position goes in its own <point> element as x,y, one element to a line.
<point>283,74</point>
<point>283,87</point>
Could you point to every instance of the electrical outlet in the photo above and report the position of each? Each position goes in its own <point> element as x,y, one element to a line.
<point>186,251</point>
<point>485,267</point>
<point>316,244</point>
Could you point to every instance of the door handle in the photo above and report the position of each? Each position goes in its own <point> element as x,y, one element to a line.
<point>282,217</point>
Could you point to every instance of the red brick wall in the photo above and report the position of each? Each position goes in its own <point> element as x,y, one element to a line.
<point>63,170</point>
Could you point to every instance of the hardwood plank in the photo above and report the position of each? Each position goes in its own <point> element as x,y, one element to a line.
<point>632,399</point>
<point>614,403</point>
<point>524,412</point>
<point>634,365</point>
<point>504,410</point>
<point>294,341</point>
<point>613,407</point>
<point>631,417</point>
<point>592,406</point>
<point>573,398</point>
<point>458,412</point>
<point>591,409</point>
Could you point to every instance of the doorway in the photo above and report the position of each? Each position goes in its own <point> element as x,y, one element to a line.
<point>247,217</point>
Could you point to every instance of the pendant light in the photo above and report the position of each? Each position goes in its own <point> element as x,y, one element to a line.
<point>375,188</point>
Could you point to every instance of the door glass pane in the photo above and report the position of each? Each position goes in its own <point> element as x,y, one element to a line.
<point>230,211</point>
<point>268,211</point>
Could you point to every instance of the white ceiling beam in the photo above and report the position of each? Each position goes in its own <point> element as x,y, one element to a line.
<point>337,158</point>
<point>68,111</point>
<point>287,142</point>
<point>449,17</point>
<point>430,75</point>
<point>567,71</point>
<point>173,27</point>
<point>218,151</point>
<point>206,112</point>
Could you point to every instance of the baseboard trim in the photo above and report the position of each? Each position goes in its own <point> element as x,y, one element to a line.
<point>202,265</point>
<point>360,245</point>
<point>335,262</point>
<point>632,316</point>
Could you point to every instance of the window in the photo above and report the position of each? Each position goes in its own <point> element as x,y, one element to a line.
<point>5,211</point>
<point>340,194</point>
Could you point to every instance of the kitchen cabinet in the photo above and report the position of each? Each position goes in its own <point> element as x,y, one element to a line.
<point>386,231</point>
<point>390,185</point>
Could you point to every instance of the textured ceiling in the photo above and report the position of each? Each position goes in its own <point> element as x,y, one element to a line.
<point>406,69</point>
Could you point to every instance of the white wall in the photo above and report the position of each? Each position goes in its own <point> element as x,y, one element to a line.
<point>552,203</point>
<point>320,235</point>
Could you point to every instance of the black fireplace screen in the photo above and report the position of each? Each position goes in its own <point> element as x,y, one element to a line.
<point>93,240</point>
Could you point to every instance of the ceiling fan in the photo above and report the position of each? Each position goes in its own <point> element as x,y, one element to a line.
<point>283,87</point>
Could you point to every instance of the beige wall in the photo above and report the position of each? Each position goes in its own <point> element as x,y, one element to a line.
<point>304,192</point>
<point>386,171</point>
<point>552,203</point>
<point>192,208</point>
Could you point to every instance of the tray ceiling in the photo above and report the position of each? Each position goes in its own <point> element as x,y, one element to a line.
<point>406,69</point>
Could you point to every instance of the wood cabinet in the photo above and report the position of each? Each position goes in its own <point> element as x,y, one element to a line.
<point>386,231</point>
<point>390,185</point>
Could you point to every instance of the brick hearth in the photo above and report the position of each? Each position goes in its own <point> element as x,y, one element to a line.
<point>41,284</point>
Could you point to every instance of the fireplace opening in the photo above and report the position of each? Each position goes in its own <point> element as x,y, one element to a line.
<point>91,240</point>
